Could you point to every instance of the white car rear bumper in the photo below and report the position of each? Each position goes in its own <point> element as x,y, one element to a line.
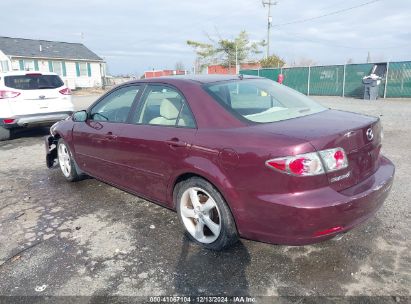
<point>35,119</point>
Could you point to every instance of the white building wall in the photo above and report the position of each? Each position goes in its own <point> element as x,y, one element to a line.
<point>5,63</point>
<point>3,57</point>
<point>96,74</point>
<point>43,66</point>
<point>71,75</point>
<point>14,65</point>
<point>89,81</point>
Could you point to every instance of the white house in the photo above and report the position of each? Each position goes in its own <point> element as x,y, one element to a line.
<point>78,66</point>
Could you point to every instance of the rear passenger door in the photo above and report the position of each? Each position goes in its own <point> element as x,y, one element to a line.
<point>160,135</point>
<point>96,141</point>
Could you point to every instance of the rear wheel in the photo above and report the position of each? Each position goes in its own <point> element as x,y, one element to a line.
<point>5,134</point>
<point>66,162</point>
<point>205,215</point>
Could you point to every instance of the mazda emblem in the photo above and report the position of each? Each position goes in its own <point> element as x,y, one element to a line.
<point>370,134</point>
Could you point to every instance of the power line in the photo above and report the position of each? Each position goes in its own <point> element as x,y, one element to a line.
<point>326,15</point>
<point>334,5</point>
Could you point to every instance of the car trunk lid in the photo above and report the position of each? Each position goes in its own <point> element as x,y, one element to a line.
<point>332,129</point>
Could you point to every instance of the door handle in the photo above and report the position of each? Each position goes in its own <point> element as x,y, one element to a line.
<point>111,136</point>
<point>176,143</point>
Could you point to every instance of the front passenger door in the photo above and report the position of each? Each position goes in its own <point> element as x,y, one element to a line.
<point>159,136</point>
<point>96,140</point>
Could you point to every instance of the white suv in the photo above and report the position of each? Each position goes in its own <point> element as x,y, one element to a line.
<point>32,99</point>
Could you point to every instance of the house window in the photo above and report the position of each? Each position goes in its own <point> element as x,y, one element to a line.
<point>58,68</point>
<point>83,69</point>
<point>28,65</point>
<point>4,66</point>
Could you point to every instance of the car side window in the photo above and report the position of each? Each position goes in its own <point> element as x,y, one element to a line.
<point>164,106</point>
<point>116,106</point>
<point>186,118</point>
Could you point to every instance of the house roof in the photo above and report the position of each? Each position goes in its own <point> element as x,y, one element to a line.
<point>21,47</point>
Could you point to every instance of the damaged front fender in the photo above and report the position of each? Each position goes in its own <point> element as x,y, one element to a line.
<point>51,151</point>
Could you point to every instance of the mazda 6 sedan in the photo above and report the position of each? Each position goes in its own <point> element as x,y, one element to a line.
<point>234,156</point>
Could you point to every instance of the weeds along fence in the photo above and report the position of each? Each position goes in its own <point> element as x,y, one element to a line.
<point>343,80</point>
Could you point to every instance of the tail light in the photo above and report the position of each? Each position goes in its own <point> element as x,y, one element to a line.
<point>8,120</point>
<point>302,165</point>
<point>8,94</point>
<point>334,159</point>
<point>310,164</point>
<point>65,91</point>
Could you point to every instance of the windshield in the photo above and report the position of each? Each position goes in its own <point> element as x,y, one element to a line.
<point>262,100</point>
<point>33,82</point>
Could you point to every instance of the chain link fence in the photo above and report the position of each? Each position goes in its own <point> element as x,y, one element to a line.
<point>343,80</point>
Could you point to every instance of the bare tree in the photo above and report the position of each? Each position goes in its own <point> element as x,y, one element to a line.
<point>303,61</point>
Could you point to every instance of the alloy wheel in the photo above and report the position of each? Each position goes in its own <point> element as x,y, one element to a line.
<point>200,214</point>
<point>64,160</point>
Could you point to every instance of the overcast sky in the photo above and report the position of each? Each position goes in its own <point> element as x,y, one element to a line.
<point>134,36</point>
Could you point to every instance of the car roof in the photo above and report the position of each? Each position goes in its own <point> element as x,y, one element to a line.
<point>20,73</point>
<point>202,79</point>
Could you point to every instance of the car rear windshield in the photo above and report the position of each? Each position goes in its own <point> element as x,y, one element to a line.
<point>33,82</point>
<point>262,100</point>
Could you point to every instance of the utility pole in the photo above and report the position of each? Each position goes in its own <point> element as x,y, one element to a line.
<point>236,59</point>
<point>269,3</point>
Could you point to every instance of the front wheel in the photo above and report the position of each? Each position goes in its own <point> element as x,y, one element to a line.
<point>66,161</point>
<point>205,215</point>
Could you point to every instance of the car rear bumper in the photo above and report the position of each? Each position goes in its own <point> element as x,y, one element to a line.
<point>33,120</point>
<point>315,215</point>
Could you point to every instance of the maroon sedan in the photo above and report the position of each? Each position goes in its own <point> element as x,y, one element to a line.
<point>234,156</point>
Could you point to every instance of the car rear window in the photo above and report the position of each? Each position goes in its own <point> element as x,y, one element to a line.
<point>33,82</point>
<point>262,100</point>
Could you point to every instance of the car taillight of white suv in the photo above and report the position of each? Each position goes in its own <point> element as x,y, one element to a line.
<point>29,99</point>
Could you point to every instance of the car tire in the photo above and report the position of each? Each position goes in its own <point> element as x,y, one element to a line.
<point>66,162</point>
<point>5,134</point>
<point>208,221</point>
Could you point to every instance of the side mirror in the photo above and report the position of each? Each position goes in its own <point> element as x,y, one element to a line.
<point>80,116</point>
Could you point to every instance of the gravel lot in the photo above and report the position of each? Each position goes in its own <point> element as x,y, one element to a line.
<point>88,238</point>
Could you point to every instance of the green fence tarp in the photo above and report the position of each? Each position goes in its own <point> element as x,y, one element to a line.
<point>270,73</point>
<point>327,80</point>
<point>296,78</point>
<point>399,79</point>
<point>353,79</point>
<point>249,72</point>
